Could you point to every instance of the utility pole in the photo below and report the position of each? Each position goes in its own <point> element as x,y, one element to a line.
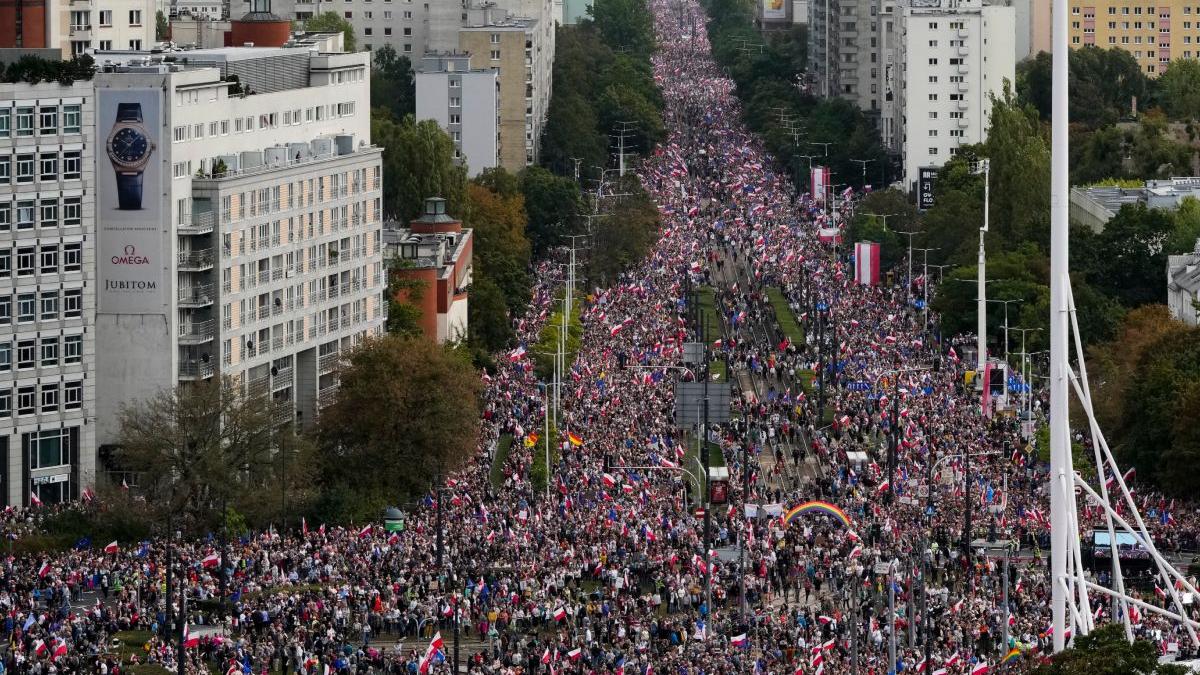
<point>1006,303</point>
<point>745,502</point>
<point>704,458</point>
<point>925,285</point>
<point>576,161</point>
<point>892,615</point>
<point>985,167</point>
<point>626,131</point>
<point>864,163</point>
<point>824,147</point>
<point>909,279</point>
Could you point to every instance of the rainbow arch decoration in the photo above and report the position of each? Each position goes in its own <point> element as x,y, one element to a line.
<point>817,507</point>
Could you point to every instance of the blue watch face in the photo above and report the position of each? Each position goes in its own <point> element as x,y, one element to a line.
<point>129,145</point>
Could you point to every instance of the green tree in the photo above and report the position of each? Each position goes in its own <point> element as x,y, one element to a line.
<point>1154,154</point>
<point>1132,246</point>
<point>332,22</point>
<point>552,203</point>
<point>488,318</point>
<point>625,236</point>
<point>418,163</point>
<point>499,180</point>
<point>501,250</point>
<point>207,444</point>
<point>392,84</point>
<point>406,410</point>
<point>1179,89</point>
<point>1105,651</point>
<point>1104,84</point>
<point>624,25</point>
<point>162,28</point>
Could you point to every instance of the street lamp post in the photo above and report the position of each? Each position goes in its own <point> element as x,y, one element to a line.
<point>1006,303</point>
<point>983,166</point>
<point>925,284</point>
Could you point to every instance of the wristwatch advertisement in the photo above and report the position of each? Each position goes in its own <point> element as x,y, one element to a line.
<point>134,211</point>
<point>129,147</point>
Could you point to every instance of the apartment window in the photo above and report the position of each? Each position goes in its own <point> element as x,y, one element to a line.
<point>933,79</point>
<point>367,31</point>
<point>49,260</point>
<point>135,17</point>
<point>72,165</point>
<point>72,211</point>
<point>26,400</point>
<point>73,303</point>
<point>933,25</point>
<point>387,30</point>
<point>48,120</point>
<point>5,264</point>
<point>73,395</point>
<point>25,168</point>
<point>25,214</point>
<point>26,307</point>
<point>72,122</point>
<point>495,54</point>
<point>933,151</point>
<point>48,166</point>
<point>933,132</point>
<point>495,38</point>
<point>455,102</point>
<point>455,119</point>
<point>1075,10</point>
<point>5,356</point>
<point>180,134</point>
<point>933,97</point>
<point>179,169</point>
<point>73,257</point>
<point>5,170</point>
<point>26,354</point>
<point>407,47</point>
<point>49,351</point>
<point>5,402</point>
<point>105,45</point>
<point>407,32</point>
<point>5,122</point>
<point>48,213</point>
<point>73,349</point>
<point>50,397</point>
<point>224,127</point>
<point>933,43</point>
<point>26,256</point>
<point>25,121</point>
<point>933,61</point>
<point>105,17</point>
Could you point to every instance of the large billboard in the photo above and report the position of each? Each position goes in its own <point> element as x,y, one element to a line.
<point>774,9</point>
<point>130,212</point>
<point>926,178</point>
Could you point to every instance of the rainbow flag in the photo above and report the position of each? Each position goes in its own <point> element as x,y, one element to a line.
<point>575,440</point>
<point>1012,655</point>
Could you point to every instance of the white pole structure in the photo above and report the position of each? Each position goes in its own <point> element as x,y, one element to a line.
<point>984,167</point>
<point>1062,529</point>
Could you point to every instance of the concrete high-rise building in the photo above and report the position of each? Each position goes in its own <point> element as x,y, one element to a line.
<point>465,103</point>
<point>240,235</point>
<point>410,27</point>
<point>47,257</point>
<point>950,57</point>
<point>1155,34</point>
<point>521,50</point>
<point>852,66</point>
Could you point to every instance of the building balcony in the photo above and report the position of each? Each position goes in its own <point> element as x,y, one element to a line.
<point>328,363</point>
<point>963,123</point>
<point>199,295</point>
<point>195,261</point>
<point>963,86</point>
<point>327,396</point>
<point>281,379</point>
<point>199,223</point>
<point>964,50</point>
<point>963,69</point>
<point>197,332</point>
<point>196,369</point>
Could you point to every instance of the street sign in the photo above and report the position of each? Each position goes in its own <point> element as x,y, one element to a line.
<point>821,307</point>
<point>926,178</point>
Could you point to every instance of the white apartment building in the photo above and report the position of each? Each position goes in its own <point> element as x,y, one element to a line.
<point>465,103</point>
<point>107,24</point>
<point>240,234</point>
<point>950,57</point>
<point>47,336</point>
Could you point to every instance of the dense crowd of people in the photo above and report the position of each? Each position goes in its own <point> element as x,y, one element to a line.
<point>608,569</point>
